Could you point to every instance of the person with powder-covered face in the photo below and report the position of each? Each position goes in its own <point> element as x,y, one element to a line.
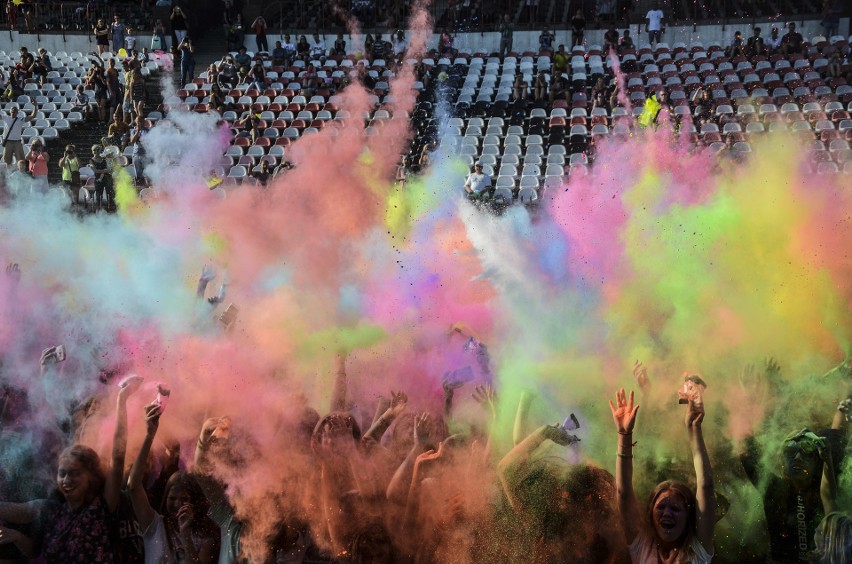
<point>679,522</point>
<point>77,529</point>
<point>796,500</point>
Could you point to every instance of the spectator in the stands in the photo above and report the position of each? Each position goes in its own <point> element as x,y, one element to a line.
<point>520,88</point>
<point>116,94</point>
<point>477,184</point>
<point>546,39</point>
<point>119,132</point>
<point>101,32</point>
<point>506,29</point>
<point>38,159</point>
<point>702,106</point>
<point>129,41</point>
<point>12,134</point>
<point>339,49</point>
<point>611,38</point>
<point>258,26</point>
<point>278,55</point>
<point>303,48</point>
<point>242,59</point>
<point>558,90</point>
<point>80,102</point>
<point>12,14</point>
<point>262,173</point>
<point>213,74</point>
<point>239,29</point>
<point>737,46</point>
<point>228,75</point>
<point>249,125</point>
<point>774,40</point>
<point>540,86</point>
<point>289,51</point>
<point>179,23</point>
<point>834,68</point>
<point>578,28</point>
<point>103,177</point>
<point>792,42</point>
<point>216,100</point>
<point>96,80</point>
<point>187,60</point>
<point>381,48</point>
<point>399,46</point>
<point>41,66</point>
<point>755,45</point>
<point>561,59</point>
<point>626,42</point>
<point>368,46</point>
<point>446,44</point>
<point>158,39</point>
<point>255,77</point>
<point>310,80</point>
<point>117,31</point>
<point>317,47</point>
<point>137,91</point>
<point>654,25</point>
<point>69,164</point>
<point>532,10</point>
<point>831,10</point>
<point>144,57</point>
<point>25,63</point>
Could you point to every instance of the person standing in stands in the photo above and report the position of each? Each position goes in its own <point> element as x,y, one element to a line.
<point>187,60</point>
<point>38,159</point>
<point>258,26</point>
<point>179,24</point>
<point>117,31</point>
<point>506,30</point>
<point>578,28</point>
<point>654,27</point>
<point>13,128</point>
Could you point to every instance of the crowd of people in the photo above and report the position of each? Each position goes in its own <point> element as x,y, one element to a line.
<point>399,487</point>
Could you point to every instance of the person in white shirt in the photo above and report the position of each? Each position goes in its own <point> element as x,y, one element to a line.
<point>317,47</point>
<point>13,127</point>
<point>399,45</point>
<point>654,27</point>
<point>477,183</point>
<point>774,40</point>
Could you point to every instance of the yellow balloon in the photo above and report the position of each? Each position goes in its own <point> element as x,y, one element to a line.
<point>17,2</point>
<point>122,53</point>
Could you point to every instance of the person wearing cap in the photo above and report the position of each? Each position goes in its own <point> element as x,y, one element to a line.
<point>477,184</point>
<point>12,131</point>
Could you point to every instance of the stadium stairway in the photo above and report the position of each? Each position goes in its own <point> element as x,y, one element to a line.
<point>89,132</point>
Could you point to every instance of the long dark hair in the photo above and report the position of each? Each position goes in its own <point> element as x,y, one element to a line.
<point>91,463</point>
<point>201,526</point>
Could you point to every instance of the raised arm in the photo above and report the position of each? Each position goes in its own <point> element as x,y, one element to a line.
<point>115,476</point>
<point>514,465</point>
<point>624,415</point>
<point>21,513</point>
<point>519,431</point>
<point>341,382</point>
<point>397,405</point>
<point>138,496</point>
<point>487,398</point>
<point>705,491</point>
<point>400,483</point>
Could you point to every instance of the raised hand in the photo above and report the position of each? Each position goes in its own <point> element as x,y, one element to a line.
<point>623,412</point>
<point>429,458</point>
<point>640,372</point>
<point>694,414</point>
<point>559,435</point>
<point>185,516</point>
<point>487,398</point>
<point>152,418</point>
<point>208,273</point>
<point>422,428</point>
<point>129,385</point>
<point>13,271</point>
<point>398,403</point>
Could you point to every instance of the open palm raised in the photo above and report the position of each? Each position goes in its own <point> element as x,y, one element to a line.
<point>623,411</point>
